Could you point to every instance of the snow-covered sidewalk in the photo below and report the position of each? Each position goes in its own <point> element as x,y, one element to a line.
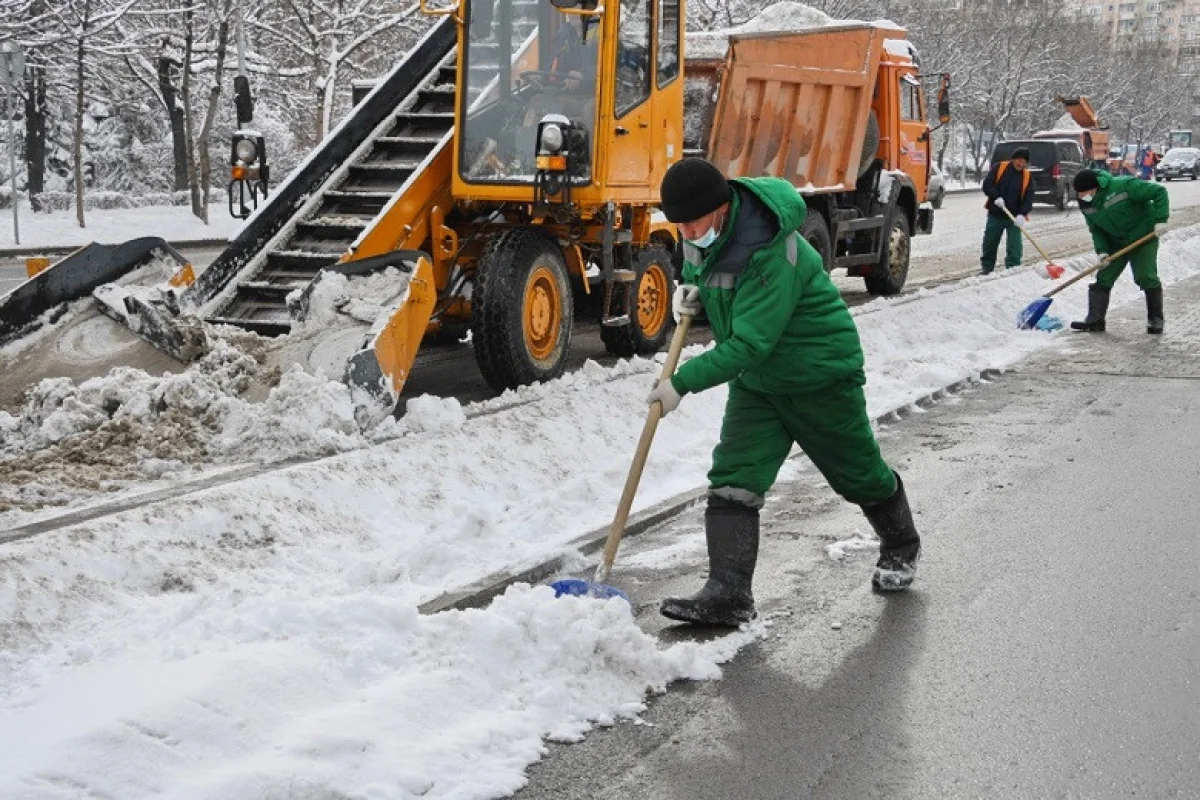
<point>60,229</point>
<point>262,639</point>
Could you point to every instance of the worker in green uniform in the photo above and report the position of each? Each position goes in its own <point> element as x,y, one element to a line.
<point>1119,211</point>
<point>789,350</point>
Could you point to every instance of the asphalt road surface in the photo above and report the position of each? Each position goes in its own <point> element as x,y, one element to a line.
<point>1051,644</point>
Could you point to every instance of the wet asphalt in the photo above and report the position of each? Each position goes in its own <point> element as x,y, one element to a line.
<point>1051,644</point>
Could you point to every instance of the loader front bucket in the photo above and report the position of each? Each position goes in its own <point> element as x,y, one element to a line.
<point>75,276</point>
<point>377,372</point>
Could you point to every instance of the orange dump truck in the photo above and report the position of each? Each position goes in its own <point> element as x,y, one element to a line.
<point>1092,135</point>
<point>841,113</point>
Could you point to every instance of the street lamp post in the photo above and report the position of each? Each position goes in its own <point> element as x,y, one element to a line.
<point>12,67</point>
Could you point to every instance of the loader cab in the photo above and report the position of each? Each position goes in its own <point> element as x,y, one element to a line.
<point>576,101</point>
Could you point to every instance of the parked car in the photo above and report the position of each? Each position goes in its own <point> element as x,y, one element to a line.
<point>937,186</point>
<point>1053,164</point>
<point>1181,162</point>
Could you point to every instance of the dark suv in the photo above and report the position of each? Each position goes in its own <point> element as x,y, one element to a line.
<point>1053,164</point>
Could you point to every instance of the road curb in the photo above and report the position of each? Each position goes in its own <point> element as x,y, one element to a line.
<point>17,252</point>
<point>483,591</point>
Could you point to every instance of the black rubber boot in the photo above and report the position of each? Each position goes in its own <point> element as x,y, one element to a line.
<point>1097,309</point>
<point>899,546</point>
<point>1154,311</point>
<point>732,533</point>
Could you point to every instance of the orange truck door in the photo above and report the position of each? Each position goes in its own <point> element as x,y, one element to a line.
<point>632,139</point>
<point>914,144</point>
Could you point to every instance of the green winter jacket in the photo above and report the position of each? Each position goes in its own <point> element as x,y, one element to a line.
<point>780,327</point>
<point>1123,211</point>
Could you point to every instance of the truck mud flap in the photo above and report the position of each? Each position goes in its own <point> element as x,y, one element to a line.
<point>76,276</point>
<point>180,336</point>
<point>925,220</point>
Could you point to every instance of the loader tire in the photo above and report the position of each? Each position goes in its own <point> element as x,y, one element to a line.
<point>521,310</point>
<point>892,271</point>
<point>650,320</point>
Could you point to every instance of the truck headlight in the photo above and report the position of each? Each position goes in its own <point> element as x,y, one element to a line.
<point>552,138</point>
<point>246,151</point>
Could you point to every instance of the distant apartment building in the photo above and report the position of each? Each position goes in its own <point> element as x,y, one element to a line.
<point>1175,23</point>
<point>1172,23</point>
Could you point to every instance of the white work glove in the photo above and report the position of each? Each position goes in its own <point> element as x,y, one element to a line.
<point>1020,220</point>
<point>1160,228</point>
<point>686,301</point>
<point>998,202</point>
<point>665,394</point>
<point>1102,256</point>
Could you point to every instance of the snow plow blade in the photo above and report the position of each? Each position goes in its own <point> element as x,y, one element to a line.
<point>76,276</point>
<point>377,372</point>
<point>181,337</point>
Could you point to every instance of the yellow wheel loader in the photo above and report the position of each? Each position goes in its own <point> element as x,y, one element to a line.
<point>509,167</point>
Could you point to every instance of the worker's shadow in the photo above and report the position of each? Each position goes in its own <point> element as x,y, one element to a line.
<point>794,740</point>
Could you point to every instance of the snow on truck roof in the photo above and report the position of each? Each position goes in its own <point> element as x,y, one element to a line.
<point>784,17</point>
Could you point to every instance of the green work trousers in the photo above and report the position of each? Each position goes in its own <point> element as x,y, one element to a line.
<point>996,228</point>
<point>830,425</point>
<point>1145,267</point>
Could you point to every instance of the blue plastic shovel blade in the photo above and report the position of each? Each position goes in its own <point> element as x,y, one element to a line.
<point>1028,318</point>
<point>576,587</point>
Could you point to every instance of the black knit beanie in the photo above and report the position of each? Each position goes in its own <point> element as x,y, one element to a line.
<point>1085,181</point>
<point>1021,152</point>
<point>692,188</point>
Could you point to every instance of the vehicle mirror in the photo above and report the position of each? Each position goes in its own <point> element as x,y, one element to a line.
<point>943,99</point>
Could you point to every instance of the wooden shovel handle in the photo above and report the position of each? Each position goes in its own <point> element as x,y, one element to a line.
<point>617,530</point>
<point>1028,235</point>
<point>1104,262</point>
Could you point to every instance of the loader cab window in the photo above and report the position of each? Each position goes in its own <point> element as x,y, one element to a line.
<point>668,41</point>
<point>633,55</point>
<point>523,63</point>
<point>910,99</point>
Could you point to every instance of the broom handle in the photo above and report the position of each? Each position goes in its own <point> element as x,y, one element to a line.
<point>1028,235</point>
<point>639,457</point>
<point>1104,262</point>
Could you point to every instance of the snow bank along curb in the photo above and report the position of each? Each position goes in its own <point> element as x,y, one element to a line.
<point>479,594</point>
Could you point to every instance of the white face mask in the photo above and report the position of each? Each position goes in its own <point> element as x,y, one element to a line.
<point>708,237</point>
<point>1087,198</point>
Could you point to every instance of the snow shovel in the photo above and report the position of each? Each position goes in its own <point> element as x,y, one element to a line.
<point>598,586</point>
<point>1029,317</point>
<point>1053,271</point>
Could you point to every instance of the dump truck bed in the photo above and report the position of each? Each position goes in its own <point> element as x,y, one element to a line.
<point>794,105</point>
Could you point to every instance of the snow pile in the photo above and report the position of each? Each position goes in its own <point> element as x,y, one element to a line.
<point>129,426</point>
<point>334,297</point>
<point>354,696</point>
<point>779,17</point>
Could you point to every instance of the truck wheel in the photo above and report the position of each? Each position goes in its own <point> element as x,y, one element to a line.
<point>650,320</point>
<point>816,232</point>
<point>870,144</point>
<point>892,272</point>
<point>521,310</point>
